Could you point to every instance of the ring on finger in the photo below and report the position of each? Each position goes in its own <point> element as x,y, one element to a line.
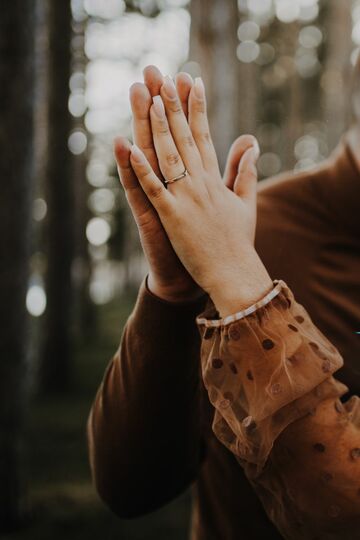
<point>179,177</point>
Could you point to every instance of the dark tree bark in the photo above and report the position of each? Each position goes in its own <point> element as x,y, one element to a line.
<point>16,143</point>
<point>57,350</point>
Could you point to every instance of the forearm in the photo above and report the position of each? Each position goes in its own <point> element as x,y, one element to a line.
<point>143,431</point>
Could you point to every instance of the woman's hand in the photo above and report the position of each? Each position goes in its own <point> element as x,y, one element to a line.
<point>210,227</point>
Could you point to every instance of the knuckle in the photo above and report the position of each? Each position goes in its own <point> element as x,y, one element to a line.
<point>146,174</point>
<point>175,108</point>
<point>156,192</point>
<point>163,127</point>
<point>189,141</point>
<point>147,145</point>
<point>204,137</point>
<point>252,175</point>
<point>199,107</point>
<point>248,174</point>
<point>172,159</point>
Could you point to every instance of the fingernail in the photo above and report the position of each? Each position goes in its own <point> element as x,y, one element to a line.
<point>136,153</point>
<point>159,106</point>
<point>185,74</point>
<point>169,88</point>
<point>256,150</point>
<point>199,88</point>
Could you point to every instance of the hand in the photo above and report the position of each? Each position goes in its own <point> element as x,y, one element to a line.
<point>210,227</point>
<point>168,278</point>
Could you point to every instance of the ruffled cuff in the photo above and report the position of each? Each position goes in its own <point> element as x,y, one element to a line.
<point>264,368</point>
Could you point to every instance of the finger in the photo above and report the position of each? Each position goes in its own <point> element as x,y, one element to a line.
<point>139,203</point>
<point>179,127</point>
<point>141,102</point>
<point>170,161</point>
<point>153,79</point>
<point>246,180</point>
<point>153,187</point>
<point>199,125</point>
<point>183,83</point>
<point>122,150</point>
<point>237,150</point>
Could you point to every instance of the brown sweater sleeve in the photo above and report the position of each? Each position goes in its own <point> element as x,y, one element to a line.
<point>143,429</point>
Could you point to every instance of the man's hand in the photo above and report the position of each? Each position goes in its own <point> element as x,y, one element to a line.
<point>168,278</point>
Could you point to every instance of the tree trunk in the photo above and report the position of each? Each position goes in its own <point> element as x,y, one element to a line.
<point>230,85</point>
<point>337,87</point>
<point>57,349</point>
<point>16,143</point>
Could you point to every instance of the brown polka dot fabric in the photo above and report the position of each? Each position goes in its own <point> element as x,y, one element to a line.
<point>271,383</point>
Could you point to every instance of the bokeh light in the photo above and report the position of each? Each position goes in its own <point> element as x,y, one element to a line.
<point>36,300</point>
<point>248,51</point>
<point>248,31</point>
<point>77,142</point>
<point>102,201</point>
<point>98,231</point>
<point>287,11</point>
<point>269,164</point>
<point>39,209</point>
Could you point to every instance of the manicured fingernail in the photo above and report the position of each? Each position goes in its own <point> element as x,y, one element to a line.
<point>199,88</point>
<point>159,106</point>
<point>169,88</point>
<point>256,150</point>
<point>136,154</point>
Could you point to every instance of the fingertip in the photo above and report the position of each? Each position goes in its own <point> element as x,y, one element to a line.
<point>199,88</point>
<point>256,150</point>
<point>136,154</point>
<point>248,160</point>
<point>137,87</point>
<point>153,79</point>
<point>183,83</point>
<point>122,150</point>
<point>184,80</point>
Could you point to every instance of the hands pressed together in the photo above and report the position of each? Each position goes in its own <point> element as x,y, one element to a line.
<point>197,232</point>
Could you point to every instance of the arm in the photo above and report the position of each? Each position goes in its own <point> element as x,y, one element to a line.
<point>271,379</point>
<point>277,408</point>
<point>143,432</point>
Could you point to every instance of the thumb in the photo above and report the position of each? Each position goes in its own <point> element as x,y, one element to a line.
<point>237,150</point>
<point>245,184</point>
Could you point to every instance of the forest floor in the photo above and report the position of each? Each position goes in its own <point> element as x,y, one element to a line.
<point>62,500</point>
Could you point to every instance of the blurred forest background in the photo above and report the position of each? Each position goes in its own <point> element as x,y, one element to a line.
<point>70,259</point>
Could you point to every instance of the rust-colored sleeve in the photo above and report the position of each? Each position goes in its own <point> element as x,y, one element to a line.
<point>269,376</point>
<point>143,432</point>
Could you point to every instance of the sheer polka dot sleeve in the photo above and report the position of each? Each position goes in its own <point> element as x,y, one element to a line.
<point>269,376</point>
<point>263,371</point>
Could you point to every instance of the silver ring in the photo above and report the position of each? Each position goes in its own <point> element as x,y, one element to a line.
<point>172,180</point>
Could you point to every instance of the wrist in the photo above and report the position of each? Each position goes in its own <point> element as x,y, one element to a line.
<point>173,293</point>
<point>247,283</point>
